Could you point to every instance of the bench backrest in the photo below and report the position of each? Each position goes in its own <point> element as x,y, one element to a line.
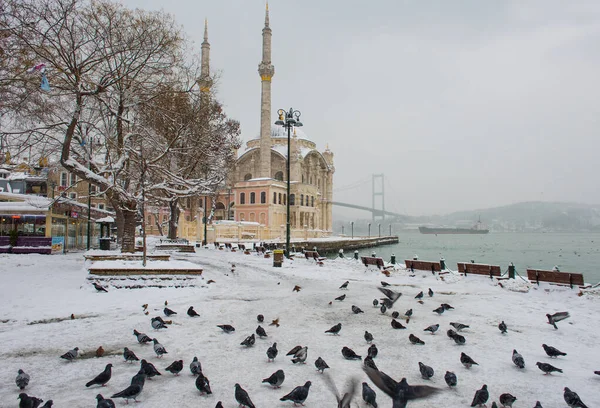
<point>567,278</point>
<point>311,254</point>
<point>34,241</point>
<point>422,265</point>
<point>4,240</point>
<point>369,260</point>
<point>479,269</point>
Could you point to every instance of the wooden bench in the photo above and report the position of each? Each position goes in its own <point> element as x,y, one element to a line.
<point>4,244</point>
<point>422,265</point>
<point>33,245</point>
<point>369,260</point>
<point>565,278</point>
<point>479,269</point>
<point>314,255</point>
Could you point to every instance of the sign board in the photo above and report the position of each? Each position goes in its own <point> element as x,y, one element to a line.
<point>74,214</point>
<point>58,245</point>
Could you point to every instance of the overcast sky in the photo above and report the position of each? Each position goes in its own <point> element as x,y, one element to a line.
<point>461,104</point>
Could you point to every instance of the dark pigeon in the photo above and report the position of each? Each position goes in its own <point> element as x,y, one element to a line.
<point>368,362</point>
<point>227,328</point>
<point>400,392</point>
<point>272,352</point>
<point>301,355</point>
<point>343,401</point>
<point>553,352</point>
<point>70,355</point>
<point>344,285</point>
<point>22,379</point>
<point>572,399</point>
<point>451,333</point>
<point>459,326</point>
<point>48,404</point>
<point>356,309</point>
<point>149,369</point>
<point>458,339</point>
<point>408,315</point>
<point>334,329</point>
<point>397,325</point>
<point>99,287</point>
<point>446,306</point>
<point>203,385</point>
<point>102,378</point>
<point>28,402</point>
<point>349,354</point>
<point>538,405</point>
<point>340,298</point>
<point>168,312</point>
<point>242,397</point>
<point>368,337</point>
<point>298,394</point>
<point>450,379</point>
<point>129,355</point>
<point>321,365</point>
<point>158,323</point>
<point>414,339</point>
<point>597,372</point>
<point>467,361</point>
<point>433,328</point>
<point>481,396</point>
<point>439,310</point>
<point>502,327</point>
<point>557,317</point>
<point>385,284</point>
<point>276,379</point>
<point>103,402</point>
<point>191,312</point>
<point>131,392</point>
<point>175,367</point>
<point>395,314</point>
<point>419,295</point>
<point>293,351</point>
<point>548,368</point>
<point>196,367</point>
<point>430,292</point>
<point>375,302</point>
<point>219,405</point>
<point>372,351</point>
<point>383,308</point>
<point>139,378</point>
<point>518,359</point>
<point>426,371</point>
<point>507,399</point>
<point>260,318</point>
<point>142,337</point>
<point>260,331</point>
<point>369,395</point>
<point>249,341</point>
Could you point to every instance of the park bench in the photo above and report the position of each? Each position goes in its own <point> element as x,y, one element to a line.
<point>4,244</point>
<point>314,255</point>
<point>479,269</point>
<point>33,245</point>
<point>564,278</point>
<point>369,260</point>
<point>413,264</point>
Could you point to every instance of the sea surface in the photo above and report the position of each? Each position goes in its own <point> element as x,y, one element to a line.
<point>571,252</point>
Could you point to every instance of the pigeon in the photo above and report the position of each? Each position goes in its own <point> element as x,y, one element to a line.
<point>28,402</point>
<point>414,339</point>
<point>446,306</point>
<point>538,405</point>
<point>335,329</point>
<point>481,396</point>
<point>48,404</point>
<point>227,328</point>
<point>553,352</point>
<point>298,394</point>
<point>195,366</point>
<point>408,315</point>
<point>439,310</point>
<point>71,354</point>
<point>158,323</point>
<point>450,379</point>
<point>397,325</point>
<point>458,339</point>
<point>572,399</point>
<point>400,392</point>
<point>296,288</point>
<point>507,399</point>
<point>340,298</point>
<point>149,369</point>
<point>168,312</point>
<point>99,352</point>
<point>260,318</point>
<point>275,322</point>
<point>369,395</point>
<point>203,385</point>
<point>191,312</point>
<point>368,362</point>
<point>276,379</point>
<point>241,396</point>
<point>249,341</point>
<point>459,326</point>
<point>219,405</point>
<point>175,367</point>
<point>391,296</point>
<point>597,372</point>
<point>321,365</point>
<point>426,371</point>
<point>104,403</point>
<point>375,302</point>
<point>433,328</point>
<point>372,351</point>
<point>129,355</point>
<point>261,332</point>
<point>419,295</point>
<point>395,314</point>
<point>502,327</point>
<point>467,361</point>
<point>300,356</point>
<point>102,378</point>
<point>368,337</point>
<point>22,379</point>
<point>556,317</point>
<point>349,354</point>
<point>142,337</point>
<point>430,292</point>
<point>494,405</point>
<point>383,308</point>
<point>356,309</point>
<point>451,333</point>
<point>548,368</point>
<point>131,392</point>
<point>344,285</point>
<point>159,349</point>
<point>518,359</point>
<point>343,401</point>
<point>272,352</point>
<point>293,351</point>
<point>99,287</point>
<point>384,284</point>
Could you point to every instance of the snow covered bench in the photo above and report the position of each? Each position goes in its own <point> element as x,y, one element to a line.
<point>4,244</point>
<point>33,245</point>
<point>313,255</point>
<point>369,260</point>
<point>413,264</point>
<point>479,269</point>
<point>565,278</point>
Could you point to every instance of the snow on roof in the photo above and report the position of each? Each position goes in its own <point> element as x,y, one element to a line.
<point>33,200</point>
<point>21,207</point>
<point>106,219</point>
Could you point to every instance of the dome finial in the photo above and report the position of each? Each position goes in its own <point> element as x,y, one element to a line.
<point>267,15</point>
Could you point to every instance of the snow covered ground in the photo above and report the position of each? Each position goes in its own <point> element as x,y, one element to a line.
<point>39,293</point>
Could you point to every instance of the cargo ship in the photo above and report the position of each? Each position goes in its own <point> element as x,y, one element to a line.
<point>475,229</point>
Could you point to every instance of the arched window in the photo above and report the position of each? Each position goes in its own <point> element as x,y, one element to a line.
<point>274,198</point>
<point>312,201</point>
<point>263,197</point>
<point>292,199</point>
<point>280,199</point>
<point>220,206</point>
<point>242,198</point>
<point>263,218</point>
<point>285,199</point>
<point>303,178</point>
<point>253,198</point>
<point>279,176</point>
<point>301,199</point>
<point>242,216</point>
<point>247,177</point>
<point>252,217</point>
<point>310,179</point>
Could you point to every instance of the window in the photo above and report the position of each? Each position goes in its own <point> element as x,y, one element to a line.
<point>242,216</point>
<point>310,179</point>
<point>280,198</point>
<point>63,179</point>
<point>263,197</point>
<point>252,217</point>
<point>73,196</point>
<point>279,176</point>
<point>101,206</point>
<point>92,189</point>
<point>275,198</point>
<point>73,178</point>
<point>301,199</point>
<point>312,201</point>
<point>253,198</point>
<point>285,199</point>
<point>292,199</point>
<point>247,177</point>
<point>242,198</point>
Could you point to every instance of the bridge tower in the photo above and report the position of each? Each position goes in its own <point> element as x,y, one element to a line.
<point>378,191</point>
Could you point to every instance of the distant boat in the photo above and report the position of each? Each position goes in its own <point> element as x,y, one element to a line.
<point>475,229</point>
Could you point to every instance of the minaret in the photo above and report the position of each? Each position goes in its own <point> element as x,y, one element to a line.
<point>266,71</point>
<point>205,81</point>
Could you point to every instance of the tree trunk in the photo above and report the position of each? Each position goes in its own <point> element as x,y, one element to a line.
<point>128,241</point>
<point>173,218</point>
<point>119,222</point>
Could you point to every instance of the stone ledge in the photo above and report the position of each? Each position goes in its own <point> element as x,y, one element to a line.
<point>143,271</point>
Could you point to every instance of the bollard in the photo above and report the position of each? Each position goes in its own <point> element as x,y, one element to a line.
<point>341,253</point>
<point>356,255</point>
<point>442,264</point>
<point>511,271</point>
<point>415,258</point>
<point>393,259</point>
<point>373,255</point>
<point>315,248</point>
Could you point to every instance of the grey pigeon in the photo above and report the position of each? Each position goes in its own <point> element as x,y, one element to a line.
<point>191,312</point>
<point>458,339</point>
<point>450,379</point>
<point>439,310</point>
<point>556,317</point>
<point>397,325</point>
<point>340,298</point>
<point>28,402</point>
<point>242,397</point>
<point>372,351</point>
<point>249,341</point>
<point>334,329</point>
<point>102,378</point>
<point>426,371</point>
<point>168,312</point>
<point>368,362</point>
<point>260,318</point>
<point>430,292</point>
<point>131,392</point>
<point>433,328</point>
<point>103,402</point>
<point>414,339</point>
<point>400,392</point>
<point>481,396</point>
<point>467,361</point>
<point>343,401</point>
<point>375,302</point>
<point>158,324</point>
<point>260,331</point>
<point>139,378</point>
<point>518,359</point>
<point>219,405</point>
<point>301,355</point>
<point>548,368</point>
<point>391,295</point>
<point>538,405</point>
<point>227,328</point>
<point>71,354</point>
<point>276,379</point>
<point>159,349</point>
<point>408,315</point>
<point>149,369</point>
<point>494,405</point>
<point>419,295</point>
<point>129,355</point>
<point>553,352</point>
<point>368,337</point>
<point>48,404</point>
<point>321,365</point>
<point>298,395</point>
<point>272,352</point>
<point>349,354</point>
<point>99,287</point>
<point>507,399</point>
<point>344,285</point>
<point>356,309</point>
<point>175,367</point>
<point>203,385</point>
<point>446,306</point>
<point>383,308</point>
<point>196,367</point>
<point>395,314</point>
<point>451,333</point>
<point>22,379</point>
<point>369,395</point>
<point>384,284</point>
<point>502,327</point>
<point>293,351</point>
<point>572,399</point>
<point>142,337</point>
<point>459,326</point>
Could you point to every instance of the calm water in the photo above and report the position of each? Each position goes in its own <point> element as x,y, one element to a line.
<point>571,252</point>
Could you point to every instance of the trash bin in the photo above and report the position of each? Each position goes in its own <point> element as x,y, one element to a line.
<point>278,258</point>
<point>105,244</point>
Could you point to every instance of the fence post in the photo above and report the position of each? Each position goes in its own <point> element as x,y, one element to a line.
<point>393,259</point>
<point>356,255</point>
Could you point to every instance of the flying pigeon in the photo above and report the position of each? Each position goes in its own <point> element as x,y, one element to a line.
<point>104,403</point>
<point>556,317</point>
<point>344,285</point>
<point>275,322</point>
<point>426,371</point>
<point>196,367</point>
<point>175,367</point>
<point>391,296</point>
<point>356,309</point>
<point>99,287</point>
<point>71,354</point>
<point>142,337</point>
<point>272,352</point>
<point>343,401</point>
<point>158,323</point>
<point>397,325</point>
<point>369,395</point>
<point>368,337</point>
<point>372,351</point>
<point>293,351</point>
<point>340,298</point>
<point>507,399</point>
<point>227,328</point>
<point>439,310</point>
<point>349,354</point>
<point>276,379</point>
<point>260,318</point>
<point>249,341</point>
<point>481,396</point>
<point>368,362</point>
<point>335,329</point>
<point>384,284</point>
<point>298,394</point>
<point>433,328</point>
<point>414,339</point>
<point>467,361</point>
<point>296,288</point>
<point>459,326</point>
<point>572,399</point>
<point>129,355</point>
<point>430,292</point>
<point>446,306</point>
<point>203,385</point>
<point>28,402</point>
<point>191,312</point>
<point>502,327</point>
<point>241,396</point>
<point>321,365</point>
<point>518,359</point>
<point>159,349</point>
<point>22,379</point>
<point>419,295</point>
<point>261,332</point>
<point>102,378</point>
<point>375,302</point>
<point>548,368</point>
<point>301,355</point>
<point>553,352</point>
<point>149,369</point>
<point>450,379</point>
<point>131,392</point>
<point>168,312</point>
<point>395,314</point>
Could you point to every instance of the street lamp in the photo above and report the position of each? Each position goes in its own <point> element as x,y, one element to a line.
<point>342,230</point>
<point>288,120</point>
<point>369,230</point>
<point>352,226</point>
<point>379,230</point>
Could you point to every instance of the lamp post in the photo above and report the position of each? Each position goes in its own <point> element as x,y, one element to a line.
<point>369,230</point>
<point>352,227</point>
<point>390,230</point>
<point>288,120</point>
<point>379,225</point>
<point>205,220</point>
<point>89,200</point>
<point>342,230</point>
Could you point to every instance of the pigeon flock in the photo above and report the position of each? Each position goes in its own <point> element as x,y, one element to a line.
<point>144,360</point>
